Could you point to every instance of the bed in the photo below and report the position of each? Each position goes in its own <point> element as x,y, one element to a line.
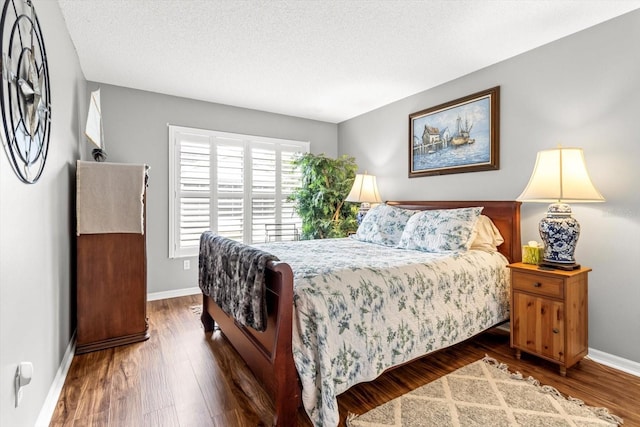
<point>272,355</point>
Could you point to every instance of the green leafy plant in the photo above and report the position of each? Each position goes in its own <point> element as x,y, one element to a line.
<point>326,182</point>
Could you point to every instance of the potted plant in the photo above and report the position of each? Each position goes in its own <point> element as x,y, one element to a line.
<point>320,204</point>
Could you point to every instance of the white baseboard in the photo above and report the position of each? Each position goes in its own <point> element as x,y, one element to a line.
<point>49,406</point>
<point>173,294</point>
<point>616,362</point>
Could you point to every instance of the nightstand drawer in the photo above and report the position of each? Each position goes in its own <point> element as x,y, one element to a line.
<point>538,284</point>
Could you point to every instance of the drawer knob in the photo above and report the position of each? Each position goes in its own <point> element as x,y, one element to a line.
<point>537,285</point>
<point>556,330</point>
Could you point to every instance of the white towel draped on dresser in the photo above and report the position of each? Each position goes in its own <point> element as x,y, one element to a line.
<point>110,198</point>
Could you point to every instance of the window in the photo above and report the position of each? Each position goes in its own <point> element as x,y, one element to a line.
<point>232,184</point>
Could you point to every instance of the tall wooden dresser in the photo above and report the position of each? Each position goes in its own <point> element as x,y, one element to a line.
<point>111,292</point>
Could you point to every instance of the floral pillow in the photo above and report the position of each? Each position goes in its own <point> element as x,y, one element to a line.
<point>383,225</point>
<point>442,230</point>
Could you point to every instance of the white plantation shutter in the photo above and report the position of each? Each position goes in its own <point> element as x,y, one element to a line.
<point>263,190</point>
<point>229,183</point>
<point>194,189</point>
<point>229,207</point>
<point>291,179</point>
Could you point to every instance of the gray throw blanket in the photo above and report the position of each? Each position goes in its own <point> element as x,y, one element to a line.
<point>232,274</point>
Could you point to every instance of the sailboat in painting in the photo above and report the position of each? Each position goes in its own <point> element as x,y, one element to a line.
<point>462,133</point>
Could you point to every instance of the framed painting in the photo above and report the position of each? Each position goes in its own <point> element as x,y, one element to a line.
<point>462,135</point>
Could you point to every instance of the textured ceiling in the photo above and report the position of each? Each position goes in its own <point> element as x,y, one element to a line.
<point>325,60</point>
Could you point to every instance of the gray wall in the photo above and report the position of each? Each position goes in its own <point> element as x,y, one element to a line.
<point>135,129</point>
<point>37,261</point>
<point>580,91</point>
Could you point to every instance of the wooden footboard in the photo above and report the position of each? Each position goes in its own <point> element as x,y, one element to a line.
<point>268,354</point>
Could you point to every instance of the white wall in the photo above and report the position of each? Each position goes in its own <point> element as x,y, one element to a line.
<point>37,261</point>
<point>135,130</point>
<point>581,91</point>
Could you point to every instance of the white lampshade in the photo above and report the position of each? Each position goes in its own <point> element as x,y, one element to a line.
<point>364,190</point>
<point>560,175</point>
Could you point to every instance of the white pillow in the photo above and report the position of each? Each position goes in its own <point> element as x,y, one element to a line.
<point>442,230</point>
<point>383,225</point>
<point>487,236</point>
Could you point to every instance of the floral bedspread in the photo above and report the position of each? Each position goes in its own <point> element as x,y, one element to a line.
<point>361,308</point>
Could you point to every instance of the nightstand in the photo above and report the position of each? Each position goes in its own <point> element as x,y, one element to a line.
<point>549,313</point>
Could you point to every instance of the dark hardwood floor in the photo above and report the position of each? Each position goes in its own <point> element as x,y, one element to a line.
<point>184,377</point>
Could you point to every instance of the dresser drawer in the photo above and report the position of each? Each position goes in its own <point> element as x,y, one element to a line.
<point>537,284</point>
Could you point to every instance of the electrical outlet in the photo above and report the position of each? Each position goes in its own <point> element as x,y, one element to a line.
<point>186,264</point>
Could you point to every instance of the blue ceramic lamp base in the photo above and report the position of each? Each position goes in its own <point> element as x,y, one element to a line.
<point>559,232</point>
<point>364,208</point>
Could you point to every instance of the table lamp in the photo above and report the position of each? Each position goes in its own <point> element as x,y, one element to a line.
<point>365,192</point>
<point>560,176</point>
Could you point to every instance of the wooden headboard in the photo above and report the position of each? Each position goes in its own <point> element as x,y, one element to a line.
<point>504,214</point>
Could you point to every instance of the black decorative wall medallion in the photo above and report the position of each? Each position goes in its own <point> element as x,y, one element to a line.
<point>25,93</point>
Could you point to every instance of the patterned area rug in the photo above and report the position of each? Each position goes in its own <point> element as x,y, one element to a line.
<point>485,393</point>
